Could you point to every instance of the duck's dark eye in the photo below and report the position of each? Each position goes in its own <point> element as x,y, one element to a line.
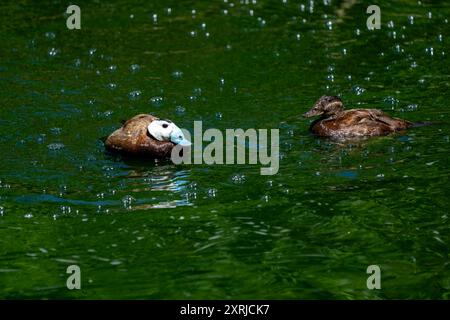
<point>165,125</point>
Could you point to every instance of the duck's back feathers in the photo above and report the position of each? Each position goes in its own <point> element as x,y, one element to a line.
<point>358,122</point>
<point>133,139</point>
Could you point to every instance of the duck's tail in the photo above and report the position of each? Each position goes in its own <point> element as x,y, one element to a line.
<point>421,124</point>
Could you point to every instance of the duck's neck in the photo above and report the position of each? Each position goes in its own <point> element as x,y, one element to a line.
<point>334,111</point>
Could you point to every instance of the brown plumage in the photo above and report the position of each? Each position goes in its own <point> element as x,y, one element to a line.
<point>338,123</point>
<point>133,139</point>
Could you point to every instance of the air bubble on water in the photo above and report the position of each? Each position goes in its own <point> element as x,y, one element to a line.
<point>207,34</point>
<point>105,114</point>
<point>197,91</point>
<point>127,202</point>
<point>50,35</point>
<point>31,44</point>
<point>193,12</point>
<point>358,32</point>
<point>168,11</point>
<point>330,77</point>
<point>180,110</point>
<point>221,82</point>
<point>55,146</point>
<point>391,102</point>
<point>77,63</point>
<point>358,90</point>
<point>414,64</point>
<point>135,68</point>
<point>2,211</point>
<point>134,95</point>
<point>155,18</point>
<point>219,115</point>
<point>344,51</point>
<point>112,86</point>
<point>238,178</point>
<point>56,130</point>
<point>398,49</point>
<point>349,77</point>
<point>156,101</point>
<point>311,6</point>
<point>212,193</point>
<point>53,52</point>
<point>225,11</point>
<point>265,198</point>
<point>430,51</point>
<point>28,215</point>
<point>429,15</point>
<point>412,107</point>
<point>65,210</point>
<point>92,51</point>
<point>41,138</point>
<point>131,16</point>
<point>329,25</point>
<point>251,13</point>
<point>302,8</point>
<point>390,24</point>
<point>440,38</point>
<point>411,19</point>
<point>5,185</point>
<point>203,26</point>
<point>298,36</point>
<point>177,74</point>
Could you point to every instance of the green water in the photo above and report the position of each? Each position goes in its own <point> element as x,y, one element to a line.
<point>153,230</point>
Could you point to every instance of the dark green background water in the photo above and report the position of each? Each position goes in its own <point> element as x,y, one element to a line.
<point>154,230</point>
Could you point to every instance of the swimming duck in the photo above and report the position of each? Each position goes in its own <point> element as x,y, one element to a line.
<point>146,135</point>
<point>338,123</point>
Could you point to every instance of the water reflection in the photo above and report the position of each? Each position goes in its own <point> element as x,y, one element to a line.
<point>148,185</point>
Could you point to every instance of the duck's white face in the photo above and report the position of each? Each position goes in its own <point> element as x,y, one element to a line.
<point>166,130</point>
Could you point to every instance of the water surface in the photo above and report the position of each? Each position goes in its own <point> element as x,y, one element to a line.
<point>153,230</point>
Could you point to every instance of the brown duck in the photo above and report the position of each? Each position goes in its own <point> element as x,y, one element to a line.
<point>146,135</point>
<point>338,123</point>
